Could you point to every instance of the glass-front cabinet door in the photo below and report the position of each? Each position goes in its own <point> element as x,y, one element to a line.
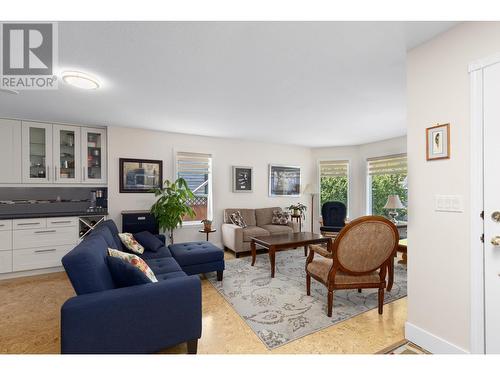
<point>37,152</point>
<point>66,154</point>
<point>94,155</point>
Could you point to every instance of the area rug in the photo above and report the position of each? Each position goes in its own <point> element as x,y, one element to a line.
<point>403,347</point>
<point>278,310</point>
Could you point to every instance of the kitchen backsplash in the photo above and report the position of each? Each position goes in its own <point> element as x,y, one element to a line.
<point>51,200</point>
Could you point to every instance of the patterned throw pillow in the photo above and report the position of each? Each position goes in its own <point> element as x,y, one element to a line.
<point>237,219</point>
<point>280,217</point>
<point>135,261</point>
<point>130,243</point>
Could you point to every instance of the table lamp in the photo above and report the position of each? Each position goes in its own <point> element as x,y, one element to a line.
<point>393,203</point>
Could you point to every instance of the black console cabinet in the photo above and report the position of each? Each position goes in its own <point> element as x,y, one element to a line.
<point>138,221</point>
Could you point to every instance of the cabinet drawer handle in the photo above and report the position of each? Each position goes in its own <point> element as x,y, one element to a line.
<point>61,222</point>
<point>141,218</point>
<point>34,223</point>
<point>2,225</point>
<point>46,231</point>
<point>45,251</point>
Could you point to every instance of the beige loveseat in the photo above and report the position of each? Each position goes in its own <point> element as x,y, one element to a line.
<point>258,223</point>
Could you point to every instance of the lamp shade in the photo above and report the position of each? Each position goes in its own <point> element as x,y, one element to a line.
<point>393,202</point>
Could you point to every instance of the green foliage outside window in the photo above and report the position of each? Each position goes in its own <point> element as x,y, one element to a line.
<point>382,187</point>
<point>334,189</point>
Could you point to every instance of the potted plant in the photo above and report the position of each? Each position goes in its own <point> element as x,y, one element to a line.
<point>207,225</point>
<point>172,205</point>
<point>297,209</point>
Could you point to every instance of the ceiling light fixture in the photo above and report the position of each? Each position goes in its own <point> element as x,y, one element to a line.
<point>80,80</point>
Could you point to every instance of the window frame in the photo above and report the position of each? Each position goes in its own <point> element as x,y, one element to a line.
<point>210,203</point>
<point>349,177</point>
<point>369,181</point>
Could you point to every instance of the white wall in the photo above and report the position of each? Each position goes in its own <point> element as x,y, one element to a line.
<point>357,156</point>
<point>138,143</point>
<point>439,253</point>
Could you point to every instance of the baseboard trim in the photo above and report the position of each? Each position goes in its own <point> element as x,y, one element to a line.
<point>42,271</point>
<point>430,342</point>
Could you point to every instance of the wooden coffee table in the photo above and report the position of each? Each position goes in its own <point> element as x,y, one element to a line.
<point>277,242</point>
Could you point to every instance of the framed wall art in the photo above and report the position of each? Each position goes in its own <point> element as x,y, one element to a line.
<point>242,179</point>
<point>284,181</point>
<point>438,142</point>
<point>140,175</point>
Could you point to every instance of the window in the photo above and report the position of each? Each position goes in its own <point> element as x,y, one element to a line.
<point>387,175</point>
<point>334,181</point>
<point>196,169</point>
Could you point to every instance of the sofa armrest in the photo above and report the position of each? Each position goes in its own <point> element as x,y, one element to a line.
<point>294,225</point>
<point>139,319</point>
<point>232,236</point>
<point>161,237</point>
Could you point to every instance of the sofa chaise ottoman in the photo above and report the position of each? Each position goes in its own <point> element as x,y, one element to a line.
<point>147,318</point>
<point>198,257</point>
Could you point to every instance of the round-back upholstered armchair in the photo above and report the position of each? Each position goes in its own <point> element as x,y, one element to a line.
<point>357,259</point>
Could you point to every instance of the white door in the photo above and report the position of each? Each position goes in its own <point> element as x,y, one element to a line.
<point>66,154</point>
<point>94,155</point>
<point>491,100</point>
<point>37,152</point>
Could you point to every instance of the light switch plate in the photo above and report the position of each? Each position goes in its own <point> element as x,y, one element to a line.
<point>449,203</point>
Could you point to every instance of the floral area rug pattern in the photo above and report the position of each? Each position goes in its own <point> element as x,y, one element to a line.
<point>278,310</point>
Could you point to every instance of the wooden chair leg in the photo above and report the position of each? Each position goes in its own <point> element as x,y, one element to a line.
<point>380,300</point>
<point>330,303</point>
<point>308,284</point>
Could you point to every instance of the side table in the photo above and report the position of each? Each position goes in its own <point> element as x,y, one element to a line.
<point>298,218</point>
<point>207,231</point>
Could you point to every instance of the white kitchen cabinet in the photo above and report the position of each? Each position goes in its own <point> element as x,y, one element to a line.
<point>93,157</point>
<point>6,261</point>
<point>35,243</point>
<point>10,151</point>
<point>37,152</point>
<point>41,257</point>
<point>66,153</point>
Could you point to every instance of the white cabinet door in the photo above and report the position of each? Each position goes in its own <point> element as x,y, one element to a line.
<point>94,155</point>
<point>10,151</point>
<point>37,152</point>
<point>66,154</point>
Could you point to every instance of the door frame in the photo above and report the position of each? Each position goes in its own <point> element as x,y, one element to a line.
<point>477,311</point>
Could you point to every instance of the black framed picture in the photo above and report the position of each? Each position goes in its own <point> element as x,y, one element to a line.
<point>284,181</point>
<point>140,175</point>
<point>242,179</point>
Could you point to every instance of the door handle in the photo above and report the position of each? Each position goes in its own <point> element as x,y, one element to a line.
<point>45,231</point>
<point>495,241</point>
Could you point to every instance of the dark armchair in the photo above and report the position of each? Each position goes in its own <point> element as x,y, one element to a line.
<point>334,216</point>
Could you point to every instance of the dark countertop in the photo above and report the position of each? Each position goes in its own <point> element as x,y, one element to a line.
<point>51,214</point>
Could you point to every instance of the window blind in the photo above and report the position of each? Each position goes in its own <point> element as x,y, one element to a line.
<point>195,169</point>
<point>334,168</point>
<point>393,164</point>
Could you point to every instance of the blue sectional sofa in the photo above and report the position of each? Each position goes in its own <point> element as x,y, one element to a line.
<point>145,318</point>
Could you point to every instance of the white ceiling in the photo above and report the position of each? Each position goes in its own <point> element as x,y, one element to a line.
<point>305,83</point>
